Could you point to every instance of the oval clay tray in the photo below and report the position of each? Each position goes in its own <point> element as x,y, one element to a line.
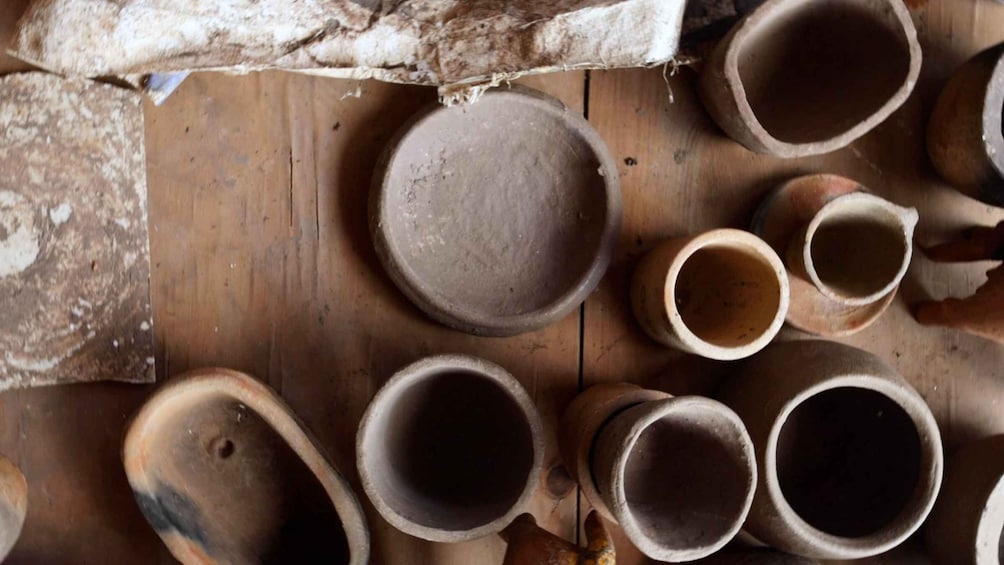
<point>497,217</point>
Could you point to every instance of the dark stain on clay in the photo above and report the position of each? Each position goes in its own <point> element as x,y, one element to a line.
<point>169,511</point>
<point>630,161</point>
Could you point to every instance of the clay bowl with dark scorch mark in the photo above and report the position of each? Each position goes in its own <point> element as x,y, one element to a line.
<point>13,505</point>
<point>497,217</point>
<point>225,473</point>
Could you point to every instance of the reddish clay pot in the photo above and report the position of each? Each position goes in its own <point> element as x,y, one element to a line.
<point>966,523</point>
<point>13,505</point>
<point>225,473</point>
<point>450,449</point>
<point>805,77</point>
<point>849,455</point>
<point>964,138</point>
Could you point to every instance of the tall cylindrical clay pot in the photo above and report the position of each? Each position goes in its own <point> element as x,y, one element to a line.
<point>722,294</point>
<point>849,455</point>
<point>450,449</point>
<point>966,523</point>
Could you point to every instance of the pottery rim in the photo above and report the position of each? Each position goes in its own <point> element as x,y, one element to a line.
<point>788,149</point>
<point>218,382</point>
<point>738,240</point>
<point>905,220</point>
<point>659,409</point>
<point>416,372</point>
<point>444,311</point>
<point>991,526</point>
<point>993,117</point>
<point>914,512</point>
<point>14,488</point>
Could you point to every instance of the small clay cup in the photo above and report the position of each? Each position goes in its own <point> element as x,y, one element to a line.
<point>964,136</point>
<point>856,249</point>
<point>678,474</point>
<point>966,523</point>
<point>722,294</point>
<point>225,473</point>
<point>849,456</point>
<point>805,77</point>
<point>13,505</point>
<point>450,449</point>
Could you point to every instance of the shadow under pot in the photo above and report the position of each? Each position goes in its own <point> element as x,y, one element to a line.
<point>225,473</point>
<point>849,455</point>
<point>450,449</point>
<point>806,77</point>
<point>722,294</point>
<point>964,137</point>
<point>966,523</point>
<point>13,505</point>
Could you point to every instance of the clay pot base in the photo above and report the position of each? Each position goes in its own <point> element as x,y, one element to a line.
<point>497,217</point>
<point>225,475</point>
<point>777,219</point>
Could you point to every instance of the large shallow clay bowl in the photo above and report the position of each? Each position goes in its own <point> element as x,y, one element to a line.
<point>790,207</point>
<point>497,217</point>
<point>224,472</point>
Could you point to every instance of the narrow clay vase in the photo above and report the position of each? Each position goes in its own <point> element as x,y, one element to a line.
<point>450,449</point>
<point>225,473</point>
<point>13,505</point>
<point>849,455</point>
<point>805,77</point>
<point>722,294</point>
<point>966,523</point>
<point>964,136</point>
<point>678,474</point>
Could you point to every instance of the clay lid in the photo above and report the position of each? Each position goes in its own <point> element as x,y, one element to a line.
<point>13,505</point>
<point>224,472</point>
<point>498,217</point>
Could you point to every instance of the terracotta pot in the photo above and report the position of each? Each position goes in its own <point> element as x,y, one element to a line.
<point>678,474</point>
<point>225,473</point>
<point>849,456</point>
<point>13,505</point>
<point>964,136</point>
<point>966,523</point>
<point>722,294</point>
<point>805,77</point>
<point>450,449</point>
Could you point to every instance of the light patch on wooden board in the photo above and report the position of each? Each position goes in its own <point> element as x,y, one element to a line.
<point>74,245</point>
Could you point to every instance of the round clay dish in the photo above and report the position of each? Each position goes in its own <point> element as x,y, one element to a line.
<point>497,217</point>
<point>779,218</point>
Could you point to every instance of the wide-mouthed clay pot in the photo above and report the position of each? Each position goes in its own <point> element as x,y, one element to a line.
<point>846,250</point>
<point>678,474</point>
<point>13,505</point>
<point>849,455</point>
<point>450,449</point>
<point>722,294</point>
<point>964,136</point>
<point>225,473</point>
<point>499,217</point>
<point>966,523</point>
<point>805,77</point>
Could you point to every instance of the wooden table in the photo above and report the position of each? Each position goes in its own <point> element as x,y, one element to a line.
<point>262,262</point>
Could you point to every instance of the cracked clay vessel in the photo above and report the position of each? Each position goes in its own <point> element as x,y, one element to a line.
<point>722,294</point>
<point>966,523</point>
<point>849,456</point>
<point>964,138</point>
<point>450,449</point>
<point>677,474</point>
<point>225,473</point>
<point>806,77</point>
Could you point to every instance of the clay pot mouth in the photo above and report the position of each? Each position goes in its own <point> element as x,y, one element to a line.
<point>450,449</point>
<point>854,465</point>
<point>812,76</point>
<point>727,294</point>
<point>684,480</point>
<point>990,531</point>
<point>498,217</point>
<point>223,470</point>
<point>857,248</point>
<point>993,118</point>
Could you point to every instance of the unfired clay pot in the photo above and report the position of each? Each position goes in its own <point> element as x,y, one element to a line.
<point>805,77</point>
<point>722,294</point>
<point>849,455</point>
<point>498,217</point>
<point>846,249</point>
<point>225,473</point>
<point>964,136</point>
<point>13,505</point>
<point>450,449</point>
<point>966,523</point>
